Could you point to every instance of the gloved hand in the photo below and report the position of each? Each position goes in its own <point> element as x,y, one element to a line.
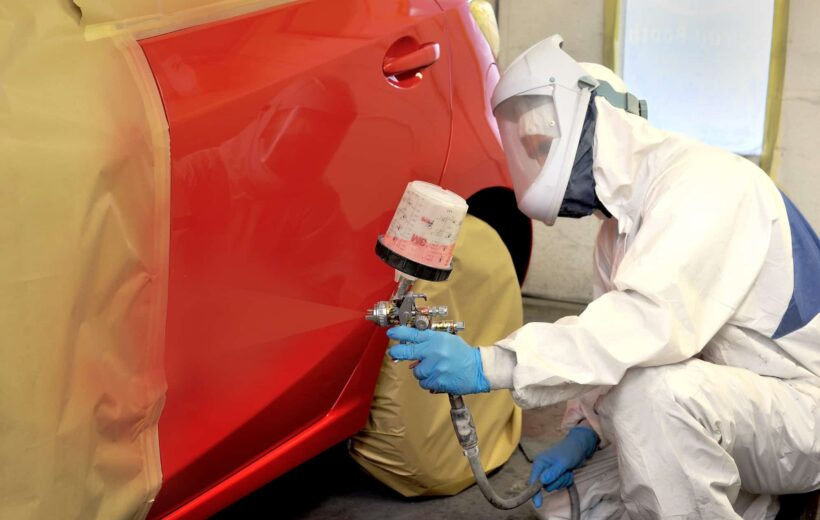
<point>448,364</point>
<point>553,467</point>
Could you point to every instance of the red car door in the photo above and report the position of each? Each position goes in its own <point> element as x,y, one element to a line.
<point>291,145</point>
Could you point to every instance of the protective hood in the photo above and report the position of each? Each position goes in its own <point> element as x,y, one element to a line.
<point>540,104</point>
<point>546,112</point>
<point>626,150</point>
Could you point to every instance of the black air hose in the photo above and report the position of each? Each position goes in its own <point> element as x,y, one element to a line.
<point>468,438</point>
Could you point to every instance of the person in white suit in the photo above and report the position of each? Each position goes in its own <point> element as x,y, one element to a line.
<point>693,378</point>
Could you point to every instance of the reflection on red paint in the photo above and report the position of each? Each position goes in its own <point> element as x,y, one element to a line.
<point>290,149</point>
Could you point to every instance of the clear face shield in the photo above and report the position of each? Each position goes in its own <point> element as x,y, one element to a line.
<point>540,105</point>
<point>529,131</point>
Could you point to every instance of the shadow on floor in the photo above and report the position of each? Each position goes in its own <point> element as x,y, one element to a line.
<point>335,488</point>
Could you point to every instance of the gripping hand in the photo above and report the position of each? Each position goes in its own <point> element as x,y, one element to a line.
<point>446,362</point>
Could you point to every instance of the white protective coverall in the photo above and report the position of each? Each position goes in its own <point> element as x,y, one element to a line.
<point>716,369</point>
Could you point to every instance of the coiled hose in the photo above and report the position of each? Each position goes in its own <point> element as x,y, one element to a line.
<point>468,438</point>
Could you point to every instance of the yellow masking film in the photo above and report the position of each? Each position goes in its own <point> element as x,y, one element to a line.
<point>146,18</point>
<point>409,443</point>
<point>769,160</point>
<point>84,219</point>
<point>612,35</point>
<point>484,16</point>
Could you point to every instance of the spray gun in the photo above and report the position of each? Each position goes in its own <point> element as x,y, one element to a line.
<point>403,309</point>
<point>419,243</point>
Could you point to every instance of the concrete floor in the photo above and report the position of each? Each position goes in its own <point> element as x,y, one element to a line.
<point>338,489</point>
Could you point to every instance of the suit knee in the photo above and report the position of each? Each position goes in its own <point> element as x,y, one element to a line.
<point>645,394</point>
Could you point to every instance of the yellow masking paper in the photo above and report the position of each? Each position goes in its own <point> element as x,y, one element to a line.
<point>83,269</point>
<point>409,443</point>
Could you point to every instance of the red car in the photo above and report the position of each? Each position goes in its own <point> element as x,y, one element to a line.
<point>294,131</point>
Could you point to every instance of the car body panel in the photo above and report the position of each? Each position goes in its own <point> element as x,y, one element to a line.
<point>475,147</point>
<point>290,149</point>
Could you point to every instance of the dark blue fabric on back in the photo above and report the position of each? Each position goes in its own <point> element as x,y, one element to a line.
<point>805,301</point>
<point>580,199</point>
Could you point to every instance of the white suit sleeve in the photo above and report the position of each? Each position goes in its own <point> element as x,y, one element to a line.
<point>601,257</point>
<point>701,244</point>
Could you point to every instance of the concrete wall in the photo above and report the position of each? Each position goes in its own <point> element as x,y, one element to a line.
<point>525,22</point>
<point>562,255</point>
<point>799,172</point>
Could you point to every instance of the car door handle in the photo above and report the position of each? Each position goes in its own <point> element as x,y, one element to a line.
<point>413,61</point>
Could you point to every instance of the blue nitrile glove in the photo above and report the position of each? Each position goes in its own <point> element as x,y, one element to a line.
<point>553,467</point>
<point>448,364</point>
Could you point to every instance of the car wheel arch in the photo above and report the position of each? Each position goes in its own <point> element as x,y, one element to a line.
<point>497,207</point>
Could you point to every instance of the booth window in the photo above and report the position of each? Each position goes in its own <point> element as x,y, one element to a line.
<point>710,70</point>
